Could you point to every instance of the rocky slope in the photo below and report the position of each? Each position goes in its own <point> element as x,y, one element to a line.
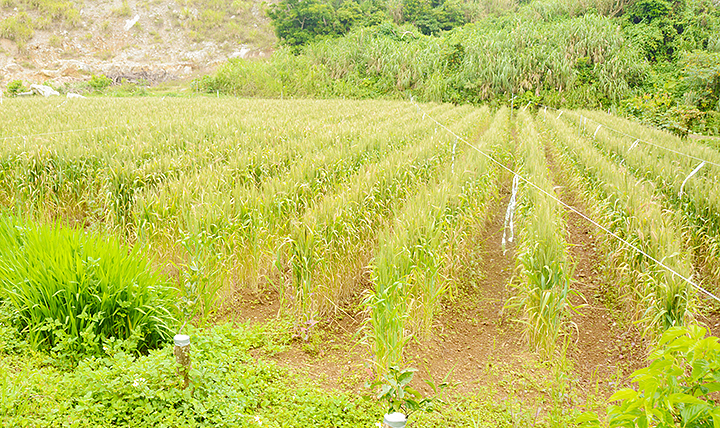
<point>136,40</point>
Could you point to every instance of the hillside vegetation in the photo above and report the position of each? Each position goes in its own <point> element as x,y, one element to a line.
<point>653,59</point>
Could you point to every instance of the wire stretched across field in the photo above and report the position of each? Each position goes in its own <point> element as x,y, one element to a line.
<point>571,208</point>
<point>637,140</point>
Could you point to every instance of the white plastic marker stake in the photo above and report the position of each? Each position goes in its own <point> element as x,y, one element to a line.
<point>544,113</point>
<point>528,105</point>
<point>635,143</point>
<point>182,357</point>
<point>702,164</point>
<point>596,131</point>
<point>561,112</point>
<point>510,213</point>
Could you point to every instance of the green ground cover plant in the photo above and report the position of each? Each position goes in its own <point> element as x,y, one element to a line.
<point>228,388</point>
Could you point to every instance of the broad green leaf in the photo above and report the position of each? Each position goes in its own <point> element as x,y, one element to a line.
<point>623,394</point>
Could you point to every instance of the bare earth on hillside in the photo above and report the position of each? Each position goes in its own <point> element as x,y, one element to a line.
<point>167,41</point>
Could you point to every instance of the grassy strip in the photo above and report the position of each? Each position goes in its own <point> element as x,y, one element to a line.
<point>541,253</point>
<point>412,270</point>
<point>700,198</point>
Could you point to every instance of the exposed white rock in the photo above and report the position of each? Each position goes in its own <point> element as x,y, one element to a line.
<point>131,22</point>
<point>43,90</point>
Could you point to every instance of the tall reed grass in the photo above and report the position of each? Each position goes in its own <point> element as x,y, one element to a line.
<point>581,61</point>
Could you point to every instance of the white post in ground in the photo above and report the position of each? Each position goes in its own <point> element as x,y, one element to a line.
<point>182,357</point>
<point>394,420</point>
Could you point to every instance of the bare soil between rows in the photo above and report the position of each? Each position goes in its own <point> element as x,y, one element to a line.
<point>476,343</point>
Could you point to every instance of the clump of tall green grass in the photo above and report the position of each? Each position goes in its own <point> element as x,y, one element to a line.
<point>74,293</point>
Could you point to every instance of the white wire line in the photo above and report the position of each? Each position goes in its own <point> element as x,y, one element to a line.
<point>636,139</point>
<point>571,208</point>
<point>69,131</point>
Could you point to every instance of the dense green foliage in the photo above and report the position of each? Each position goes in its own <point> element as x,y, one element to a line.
<point>229,388</point>
<point>15,87</point>
<point>74,294</point>
<point>581,61</point>
<point>299,22</point>
<point>653,59</point>
<point>99,82</point>
<point>676,389</point>
<point>679,40</point>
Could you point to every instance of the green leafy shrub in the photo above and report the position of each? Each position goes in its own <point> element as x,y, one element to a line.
<point>73,293</point>
<point>395,390</point>
<point>300,22</point>
<point>677,389</point>
<point>701,80</point>
<point>15,87</point>
<point>99,82</point>
<point>659,109</point>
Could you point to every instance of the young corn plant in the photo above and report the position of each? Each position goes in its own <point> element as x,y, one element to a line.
<point>200,278</point>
